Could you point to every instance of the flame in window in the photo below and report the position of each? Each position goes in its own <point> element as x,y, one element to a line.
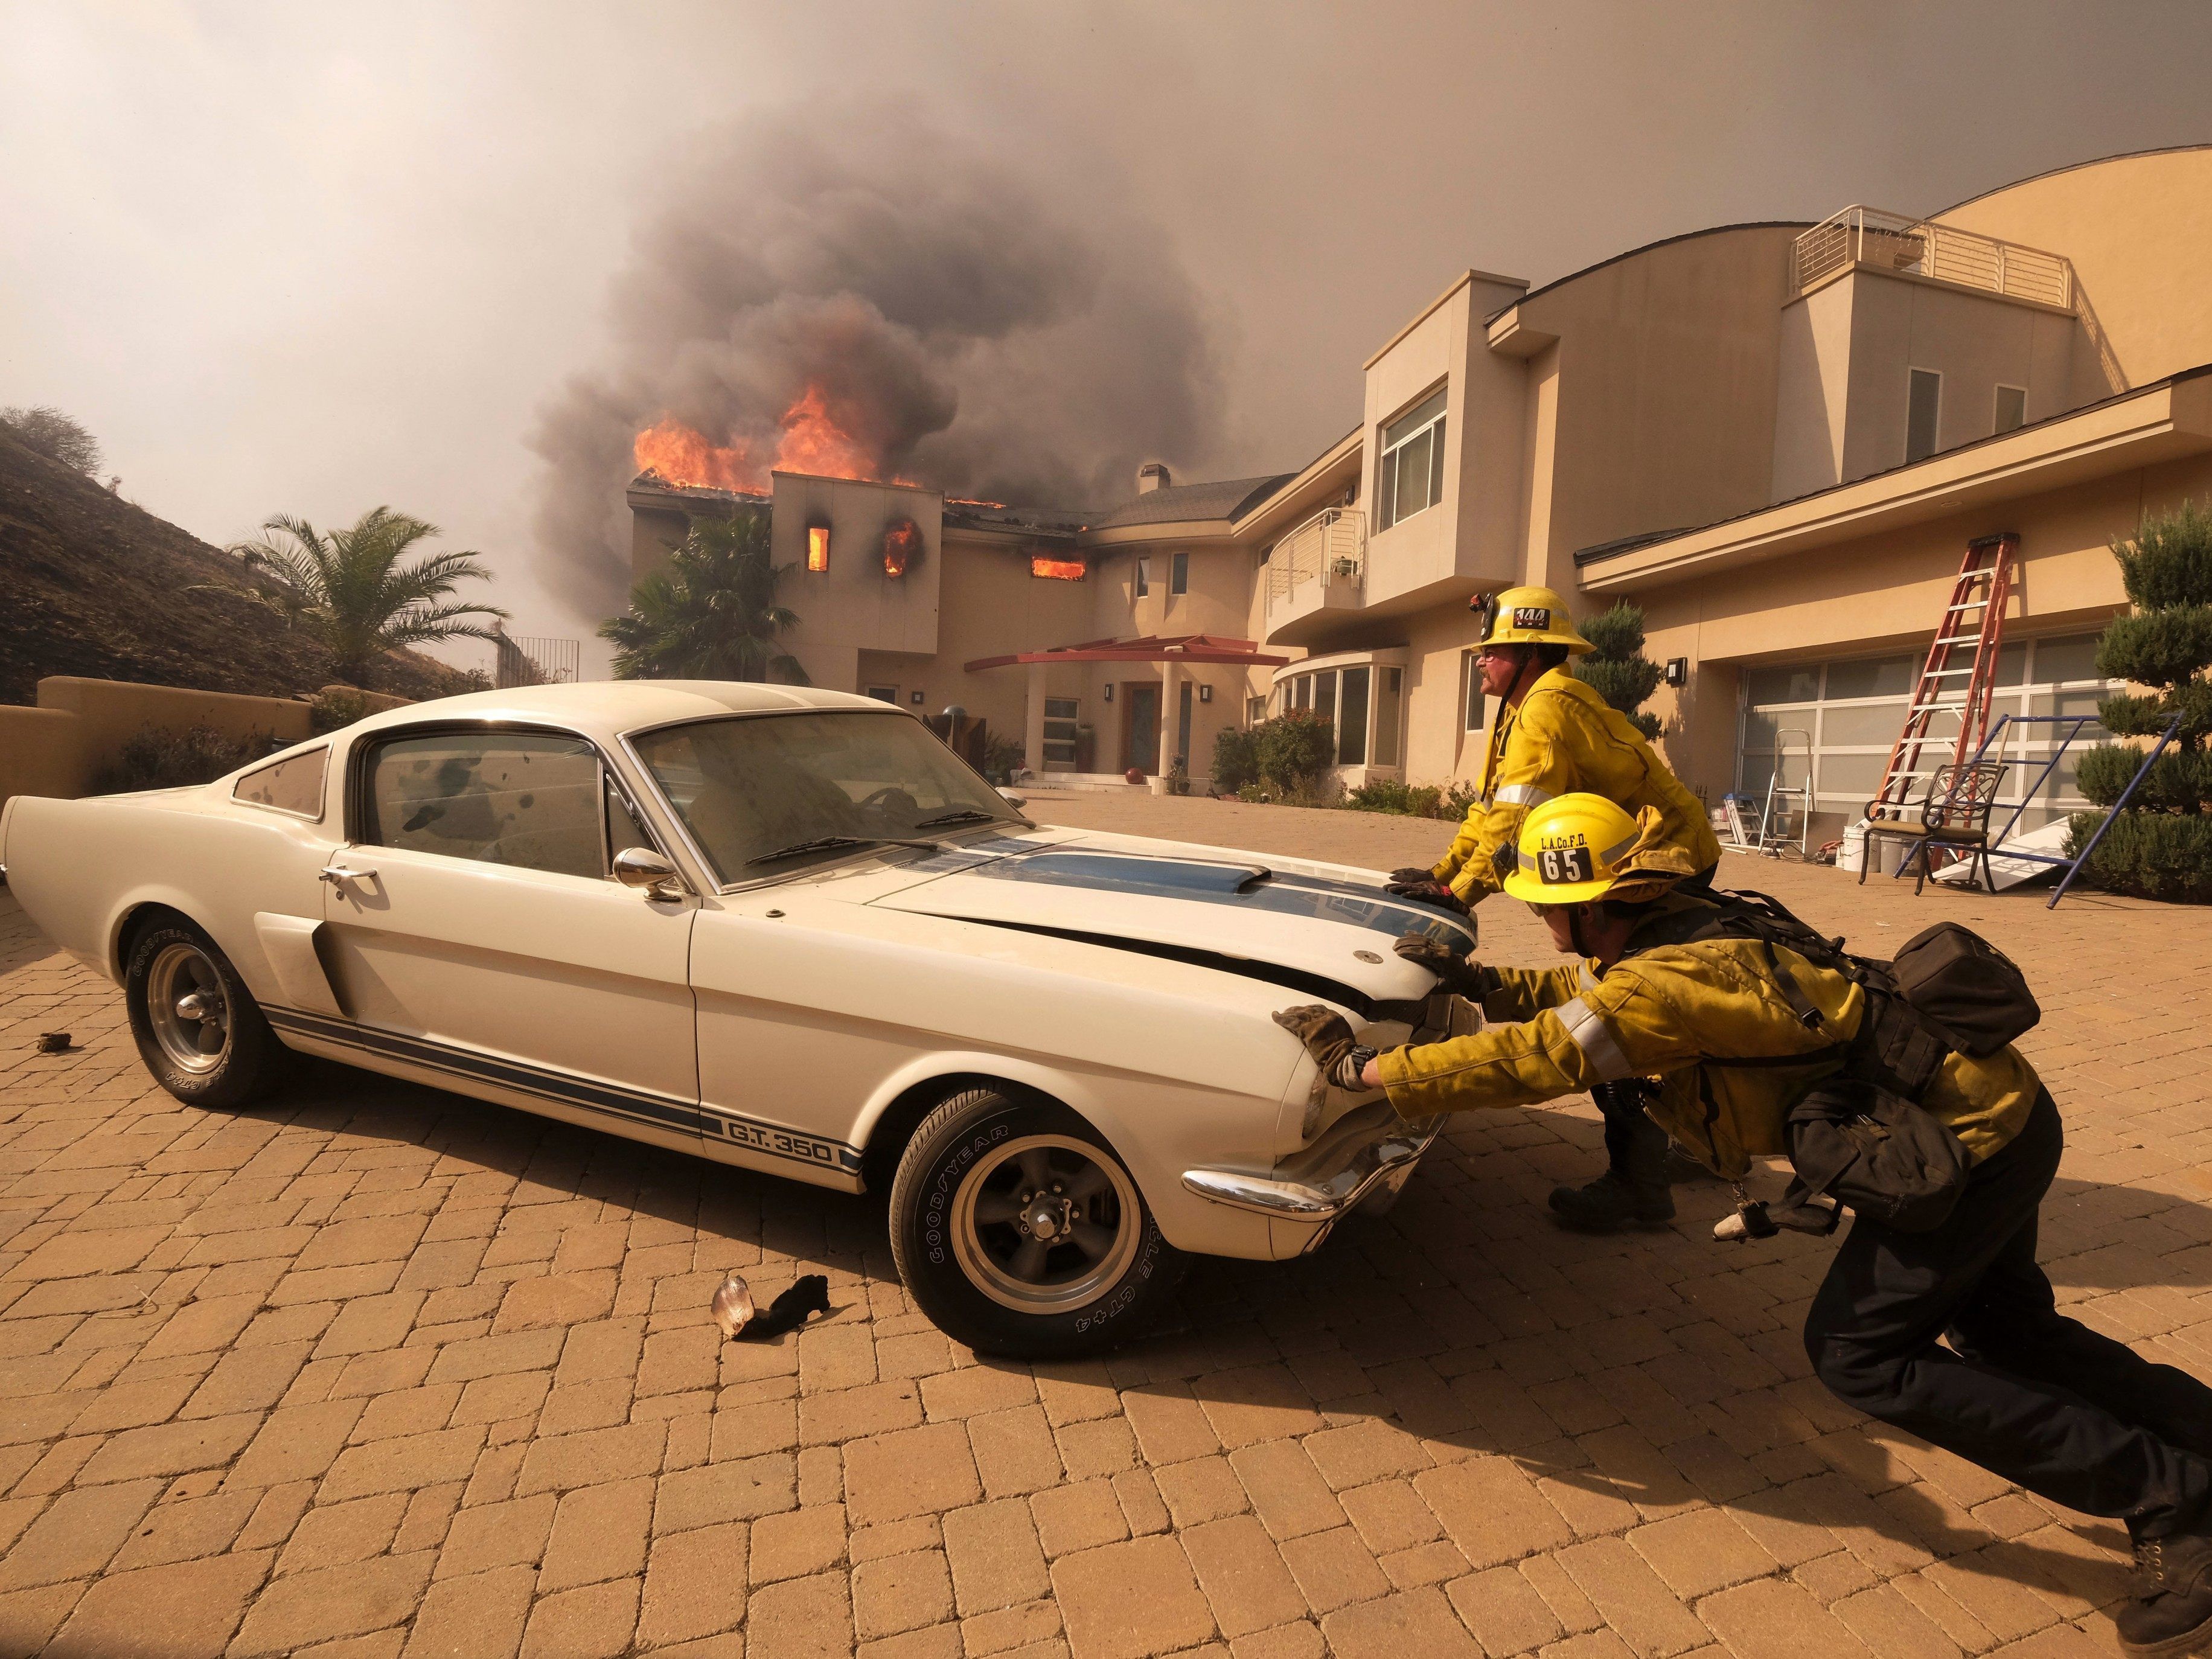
<point>1060,571</point>
<point>818,547</point>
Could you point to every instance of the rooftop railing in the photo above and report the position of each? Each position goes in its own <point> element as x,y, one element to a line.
<point>1890,241</point>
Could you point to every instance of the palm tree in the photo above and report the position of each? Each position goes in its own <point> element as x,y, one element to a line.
<point>351,588</point>
<point>712,614</point>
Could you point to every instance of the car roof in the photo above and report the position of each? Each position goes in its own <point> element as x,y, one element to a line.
<point>604,708</point>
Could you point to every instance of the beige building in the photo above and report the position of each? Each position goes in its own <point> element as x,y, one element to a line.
<point>1777,439</point>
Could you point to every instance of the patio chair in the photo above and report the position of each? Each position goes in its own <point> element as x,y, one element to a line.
<point>1955,813</point>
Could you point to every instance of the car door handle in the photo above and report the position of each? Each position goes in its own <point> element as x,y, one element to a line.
<point>338,874</point>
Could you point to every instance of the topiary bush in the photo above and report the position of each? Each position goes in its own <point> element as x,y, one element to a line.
<point>2160,846</point>
<point>1616,668</point>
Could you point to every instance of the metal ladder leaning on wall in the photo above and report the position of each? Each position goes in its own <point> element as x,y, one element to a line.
<point>1973,629</point>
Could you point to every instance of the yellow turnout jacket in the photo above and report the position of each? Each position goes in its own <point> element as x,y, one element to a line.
<point>1677,1013</point>
<point>1563,737</point>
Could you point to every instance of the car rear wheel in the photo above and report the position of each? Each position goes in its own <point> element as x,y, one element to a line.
<point>198,1029</point>
<point>1018,1231</point>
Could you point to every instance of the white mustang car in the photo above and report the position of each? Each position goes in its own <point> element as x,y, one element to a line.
<point>779,928</point>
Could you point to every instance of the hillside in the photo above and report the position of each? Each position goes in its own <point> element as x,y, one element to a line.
<point>94,585</point>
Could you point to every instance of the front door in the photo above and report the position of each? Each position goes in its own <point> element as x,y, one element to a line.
<point>478,940</point>
<point>1144,746</point>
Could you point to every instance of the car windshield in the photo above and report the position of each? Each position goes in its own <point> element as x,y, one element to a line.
<point>769,793</point>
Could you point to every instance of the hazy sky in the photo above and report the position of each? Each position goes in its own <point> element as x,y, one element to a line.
<point>280,257</point>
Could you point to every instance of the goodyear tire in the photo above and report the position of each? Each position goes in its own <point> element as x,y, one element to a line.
<point>197,1028</point>
<point>1018,1230</point>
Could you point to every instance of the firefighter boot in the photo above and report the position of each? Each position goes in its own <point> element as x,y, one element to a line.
<point>2171,1612</point>
<point>1633,1192</point>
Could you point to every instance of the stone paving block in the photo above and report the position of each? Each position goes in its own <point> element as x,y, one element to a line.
<point>915,1472</point>
<point>77,1534</point>
<point>183,1610</point>
<point>481,1616</point>
<point>1243,1575</point>
<point>594,1622</point>
<point>801,1618</point>
<point>299,1610</point>
<point>895,1594</point>
<point>1768,1619</point>
<point>404,1463</point>
<point>1127,1600</point>
<point>1394,1626</point>
<point>331,1535</point>
<point>1287,1491</point>
<point>171,1448</point>
<point>724,1491</point>
<point>994,1555</point>
<point>599,1532</point>
<point>694,1585</point>
<point>1701,1553</point>
<point>592,1458</point>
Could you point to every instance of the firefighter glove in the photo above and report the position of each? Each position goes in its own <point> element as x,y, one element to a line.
<point>1461,976</point>
<point>1327,1037</point>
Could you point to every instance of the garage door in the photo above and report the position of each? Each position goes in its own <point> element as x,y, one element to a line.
<point>1843,716</point>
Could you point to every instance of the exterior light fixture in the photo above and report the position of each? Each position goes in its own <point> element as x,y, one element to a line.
<point>1678,671</point>
<point>918,700</point>
<point>817,548</point>
<point>1109,690</point>
<point>1206,694</point>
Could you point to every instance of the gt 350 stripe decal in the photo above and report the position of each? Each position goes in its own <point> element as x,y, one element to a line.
<point>565,1089</point>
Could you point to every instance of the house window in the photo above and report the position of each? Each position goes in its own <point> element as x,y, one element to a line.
<point>1059,718</point>
<point>1352,719</point>
<point>1923,402</point>
<point>1256,710</point>
<point>1059,570</point>
<point>884,693</point>
<point>1179,573</point>
<point>1477,707</point>
<point>1144,576</point>
<point>817,548</point>
<point>1410,475</point>
<point>2012,409</point>
<point>1386,708</point>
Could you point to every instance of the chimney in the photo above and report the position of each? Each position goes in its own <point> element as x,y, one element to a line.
<point>1152,474</point>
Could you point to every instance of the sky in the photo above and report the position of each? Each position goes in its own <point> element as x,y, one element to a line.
<point>312,260</point>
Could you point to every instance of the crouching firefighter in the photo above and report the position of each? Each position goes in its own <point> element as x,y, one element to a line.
<point>1895,1092</point>
<point>1554,736</point>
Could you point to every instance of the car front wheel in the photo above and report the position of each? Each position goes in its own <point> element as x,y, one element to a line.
<point>198,1029</point>
<point>1018,1231</point>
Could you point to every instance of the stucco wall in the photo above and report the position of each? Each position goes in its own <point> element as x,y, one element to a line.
<point>80,725</point>
<point>2138,229</point>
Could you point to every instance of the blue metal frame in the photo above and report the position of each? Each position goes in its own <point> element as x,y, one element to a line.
<point>2073,865</point>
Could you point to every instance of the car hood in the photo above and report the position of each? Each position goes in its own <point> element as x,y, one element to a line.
<point>1323,929</point>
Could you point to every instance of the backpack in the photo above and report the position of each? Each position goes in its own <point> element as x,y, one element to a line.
<point>1862,1136</point>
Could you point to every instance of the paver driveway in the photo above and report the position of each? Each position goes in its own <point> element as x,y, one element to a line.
<point>385,1369</point>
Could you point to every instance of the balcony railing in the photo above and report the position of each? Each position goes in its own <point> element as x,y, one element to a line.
<point>1890,241</point>
<point>1329,548</point>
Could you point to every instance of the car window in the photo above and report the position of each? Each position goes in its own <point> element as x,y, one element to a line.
<point>294,784</point>
<point>525,799</point>
<point>748,788</point>
<point>621,827</point>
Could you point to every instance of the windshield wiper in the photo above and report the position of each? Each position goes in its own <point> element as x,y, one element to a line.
<point>968,815</point>
<point>831,843</point>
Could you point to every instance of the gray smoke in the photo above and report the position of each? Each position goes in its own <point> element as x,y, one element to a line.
<point>965,328</point>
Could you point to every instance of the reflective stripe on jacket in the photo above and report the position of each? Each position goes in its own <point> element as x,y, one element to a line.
<point>1564,738</point>
<point>1677,1013</point>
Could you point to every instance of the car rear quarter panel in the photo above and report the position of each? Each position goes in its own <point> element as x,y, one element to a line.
<point>82,868</point>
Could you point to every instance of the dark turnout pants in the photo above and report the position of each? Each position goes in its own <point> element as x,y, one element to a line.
<point>2024,1391</point>
<point>1635,1146</point>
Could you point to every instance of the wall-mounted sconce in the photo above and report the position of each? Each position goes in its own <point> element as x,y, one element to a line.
<point>817,548</point>
<point>1109,690</point>
<point>1206,694</point>
<point>1678,671</point>
<point>918,700</point>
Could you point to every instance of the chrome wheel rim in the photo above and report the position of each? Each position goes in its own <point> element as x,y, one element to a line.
<point>1045,1224</point>
<point>187,1009</point>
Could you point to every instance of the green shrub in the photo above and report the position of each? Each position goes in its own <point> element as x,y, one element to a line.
<point>1235,761</point>
<point>168,759</point>
<point>1461,797</point>
<point>2160,846</point>
<point>1616,667</point>
<point>1001,755</point>
<point>1395,796</point>
<point>335,705</point>
<point>1293,751</point>
<point>2153,856</point>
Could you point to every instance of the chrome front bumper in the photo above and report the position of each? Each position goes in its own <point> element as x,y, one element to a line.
<point>1360,1161</point>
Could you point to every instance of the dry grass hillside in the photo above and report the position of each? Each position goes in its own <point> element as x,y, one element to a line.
<point>91,584</point>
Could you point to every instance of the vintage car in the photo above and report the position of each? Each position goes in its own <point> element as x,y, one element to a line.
<point>780,928</point>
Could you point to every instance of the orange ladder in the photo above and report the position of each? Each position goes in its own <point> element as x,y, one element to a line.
<point>1972,628</point>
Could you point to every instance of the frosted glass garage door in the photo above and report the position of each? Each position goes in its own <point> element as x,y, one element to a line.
<point>1842,717</point>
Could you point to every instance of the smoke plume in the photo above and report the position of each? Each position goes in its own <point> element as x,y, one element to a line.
<point>960,326</point>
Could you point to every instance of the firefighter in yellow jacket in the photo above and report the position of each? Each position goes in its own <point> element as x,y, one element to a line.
<point>1736,1031</point>
<point>1555,736</point>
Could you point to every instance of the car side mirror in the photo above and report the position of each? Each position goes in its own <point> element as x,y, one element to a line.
<point>1012,798</point>
<point>641,866</point>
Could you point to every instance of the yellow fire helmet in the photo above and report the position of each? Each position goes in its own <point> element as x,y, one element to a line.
<point>1578,847</point>
<point>1527,615</point>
